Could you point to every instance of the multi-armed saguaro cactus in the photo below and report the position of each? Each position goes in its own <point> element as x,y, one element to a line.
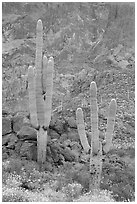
<point>40,85</point>
<point>97,149</point>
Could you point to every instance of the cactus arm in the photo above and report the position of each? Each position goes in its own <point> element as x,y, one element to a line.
<point>38,64</point>
<point>44,73</point>
<point>110,125</point>
<point>81,129</point>
<point>39,45</point>
<point>94,117</point>
<point>49,91</point>
<point>32,97</point>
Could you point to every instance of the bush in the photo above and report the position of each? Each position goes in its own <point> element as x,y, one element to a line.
<point>96,196</point>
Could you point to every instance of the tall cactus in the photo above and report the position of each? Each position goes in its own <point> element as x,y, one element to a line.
<point>97,149</point>
<point>40,86</point>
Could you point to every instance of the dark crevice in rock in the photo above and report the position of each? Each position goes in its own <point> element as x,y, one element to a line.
<point>55,129</point>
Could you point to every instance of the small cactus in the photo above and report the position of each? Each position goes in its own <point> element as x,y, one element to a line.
<point>40,88</point>
<point>96,147</point>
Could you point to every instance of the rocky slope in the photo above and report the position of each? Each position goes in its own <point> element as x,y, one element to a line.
<point>89,42</point>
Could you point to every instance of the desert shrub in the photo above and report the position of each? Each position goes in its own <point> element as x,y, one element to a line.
<point>20,195</point>
<point>12,165</point>
<point>13,195</point>
<point>96,196</point>
<point>119,178</point>
<point>75,173</point>
<point>72,191</point>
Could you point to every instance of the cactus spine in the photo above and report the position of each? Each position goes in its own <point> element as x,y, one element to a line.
<point>96,149</point>
<point>40,94</point>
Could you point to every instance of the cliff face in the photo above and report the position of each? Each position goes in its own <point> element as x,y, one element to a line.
<point>78,35</point>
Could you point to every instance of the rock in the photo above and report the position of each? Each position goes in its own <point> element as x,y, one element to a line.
<point>18,146</point>
<point>59,125</point>
<point>5,113</point>
<point>29,151</point>
<point>76,146</point>
<point>63,137</point>
<point>73,134</point>
<point>53,134</point>
<point>117,49</point>
<point>68,154</point>
<point>27,133</point>
<point>5,155</point>
<point>67,143</point>
<point>76,154</point>
<point>123,64</point>
<point>6,125</point>
<point>9,140</point>
<point>54,152</point>
<point>71,122</point>
<point>26,122</point>
<point>18,121</point>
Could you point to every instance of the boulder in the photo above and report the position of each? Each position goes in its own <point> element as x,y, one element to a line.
<point>18,146</point>
<point>59,125</point>
<point>67,154</point>
<point>27,133</point>
<point>73,134</point>
<point>71,122</point>
<point>18,122</point>
<point>53,134</point>
<point>6,125</point>
<point>4,153</point>
<point>9,140</point>
<point>54,153</point>
<point>63,137</point>
<point>29,151</point>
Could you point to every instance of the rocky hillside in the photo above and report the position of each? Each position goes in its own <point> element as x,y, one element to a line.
<point>89,42</point>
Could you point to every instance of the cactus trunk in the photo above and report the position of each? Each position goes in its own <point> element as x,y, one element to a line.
<point>95,169</point>
<point>41,146</point>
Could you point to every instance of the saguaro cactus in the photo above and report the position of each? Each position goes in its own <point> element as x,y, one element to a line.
<point>40,86</point>
<point>97,149</point>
